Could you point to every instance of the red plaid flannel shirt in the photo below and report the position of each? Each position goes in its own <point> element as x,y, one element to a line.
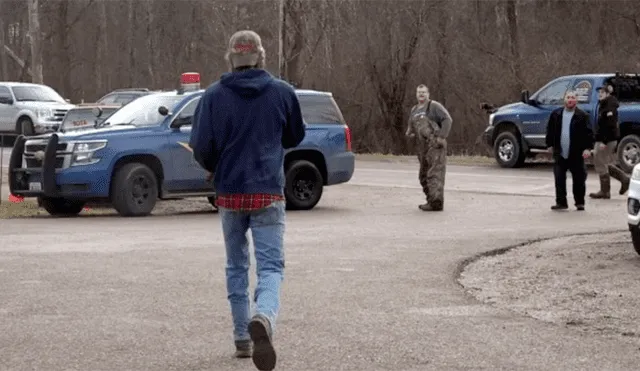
<point>247,202</point>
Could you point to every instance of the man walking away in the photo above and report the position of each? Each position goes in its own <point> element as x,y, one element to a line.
<point>570,139</point>
<point>607,135</point>
<point>241,127</point>
<point>431,123</point>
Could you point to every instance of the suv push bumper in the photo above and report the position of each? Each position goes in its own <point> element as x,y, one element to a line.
<point>487,136</point>
<point>19,177</point>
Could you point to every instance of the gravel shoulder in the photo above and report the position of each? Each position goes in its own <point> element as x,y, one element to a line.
<point>585,282</point>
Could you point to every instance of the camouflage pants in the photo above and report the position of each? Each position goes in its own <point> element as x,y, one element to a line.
<point>433,166</point>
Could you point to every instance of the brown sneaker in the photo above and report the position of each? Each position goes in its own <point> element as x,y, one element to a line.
<point>244,349</point>
<point>264,355</point>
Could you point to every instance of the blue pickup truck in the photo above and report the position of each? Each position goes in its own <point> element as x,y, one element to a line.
<point>517,130</point>
<point>140,155</point>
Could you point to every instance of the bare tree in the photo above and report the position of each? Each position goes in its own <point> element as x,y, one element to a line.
<point>35,41</point>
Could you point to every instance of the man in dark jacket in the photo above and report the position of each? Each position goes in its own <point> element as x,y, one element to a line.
<point>241,127</point>
<point>570,139</point>
<point>607,135</point>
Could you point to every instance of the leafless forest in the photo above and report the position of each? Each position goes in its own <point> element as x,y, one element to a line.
<point>370,54</point>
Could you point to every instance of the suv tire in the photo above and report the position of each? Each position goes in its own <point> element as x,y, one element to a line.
<point>24,126</point>
<point>635,238</point>
<point>134,190</point>
<point>507,150</point>
<point>629,144</point>
<point>61,207</point>
<point>303,185</point>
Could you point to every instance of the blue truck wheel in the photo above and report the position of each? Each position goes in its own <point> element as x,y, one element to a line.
<point>134,190</point>
<point>304,184</point>
<point>508,151</point>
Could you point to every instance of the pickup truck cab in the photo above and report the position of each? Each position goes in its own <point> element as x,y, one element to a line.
<point>140,155</point>
<point>517,130</point>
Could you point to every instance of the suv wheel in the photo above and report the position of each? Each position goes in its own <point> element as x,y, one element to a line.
<point>508,151</point>
<point>134,190</point>
<point>629,152</point>
<point>303,185</point>
<point>635,238</point>
<point>25,126</point>
<point>60,206</point>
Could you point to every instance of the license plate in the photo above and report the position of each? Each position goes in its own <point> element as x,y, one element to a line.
<point>35,186</point>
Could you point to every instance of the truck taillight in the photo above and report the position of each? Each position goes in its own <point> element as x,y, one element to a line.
<point>347,135</point>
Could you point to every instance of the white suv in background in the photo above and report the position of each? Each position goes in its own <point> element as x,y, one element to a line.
<point>30,108</point>
<point>633,208</point>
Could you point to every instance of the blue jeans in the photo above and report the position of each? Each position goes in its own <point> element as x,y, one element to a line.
<point>267,230</point>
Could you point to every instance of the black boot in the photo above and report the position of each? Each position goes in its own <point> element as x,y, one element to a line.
<point>620,176</point>
<point>605,188</point>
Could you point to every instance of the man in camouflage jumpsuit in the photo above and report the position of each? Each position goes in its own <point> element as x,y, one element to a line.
<point>430,123</point>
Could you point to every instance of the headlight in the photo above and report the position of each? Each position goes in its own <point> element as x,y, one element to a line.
<point>491,117</point>
<point>44,113</point>
<point>84,152</point>
<point>636,173</point>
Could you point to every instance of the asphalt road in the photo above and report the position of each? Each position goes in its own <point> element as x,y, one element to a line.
<point>370,284</point>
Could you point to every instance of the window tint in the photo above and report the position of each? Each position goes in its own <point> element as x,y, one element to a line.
<point>5,93</point>
<point>320,109</point>
<point>36,93</point>
<point>108,99</point>
<point>554,93</point>
<point>190,108</point>
<point>124,98</point>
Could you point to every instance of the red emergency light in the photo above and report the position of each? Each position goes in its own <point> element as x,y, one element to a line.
<point>190,78</point>
<point>189,81</point>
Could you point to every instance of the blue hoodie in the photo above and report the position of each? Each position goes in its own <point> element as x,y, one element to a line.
<point>241,127</point>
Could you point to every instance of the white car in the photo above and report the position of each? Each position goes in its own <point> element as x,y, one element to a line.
<point>633,208</point>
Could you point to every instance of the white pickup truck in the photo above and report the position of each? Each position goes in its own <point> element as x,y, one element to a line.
<point>30,108</point>
<point>633,208</point>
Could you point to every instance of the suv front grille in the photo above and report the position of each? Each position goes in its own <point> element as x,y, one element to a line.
<point>30,150</point>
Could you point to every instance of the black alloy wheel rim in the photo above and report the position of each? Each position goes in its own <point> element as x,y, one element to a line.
<point>141,188</point>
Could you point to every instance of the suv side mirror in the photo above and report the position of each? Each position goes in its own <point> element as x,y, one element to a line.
<point>6,100</point>
<point>524,96</point>
<point>180,122</point>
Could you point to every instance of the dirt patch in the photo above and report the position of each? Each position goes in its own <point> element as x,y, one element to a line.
<point>29,209</point>
<point>587,282</point>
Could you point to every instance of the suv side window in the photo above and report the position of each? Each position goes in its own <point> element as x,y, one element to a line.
<point>5,93</point>
<point>553,95</point>
<point>189,109</point>
<point>320,109</point>
<point>124,98</point>
<point>108,99</point>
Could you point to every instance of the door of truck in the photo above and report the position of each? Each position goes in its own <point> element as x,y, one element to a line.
<point>7,111</point>
<point>187,175</point>
<point>547,99</point>
<point>587,97</point>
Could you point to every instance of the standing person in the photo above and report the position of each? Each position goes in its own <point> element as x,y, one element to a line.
<point>241,127</point>
<point>607,135</point>
<point>431,123</point>
<point>570,139</point>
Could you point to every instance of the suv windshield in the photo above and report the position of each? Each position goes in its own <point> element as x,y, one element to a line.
<point>83,118</point>
<point>144,110</point>
<point>36,93</point>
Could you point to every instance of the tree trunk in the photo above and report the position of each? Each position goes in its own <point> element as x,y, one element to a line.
<point>35,41</point>
<point>514,44</point>
<point>131,49</point>
<point>4,68</point>
<point>103,80</point>
<point>442,50</point>
<point>150,43</point>
<point>63,48</point>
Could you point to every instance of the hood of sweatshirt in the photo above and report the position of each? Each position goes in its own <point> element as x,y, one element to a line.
<point>248,83</point>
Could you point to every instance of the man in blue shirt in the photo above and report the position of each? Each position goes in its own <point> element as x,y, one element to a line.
<point>241,128</point>
<point>570,139</point>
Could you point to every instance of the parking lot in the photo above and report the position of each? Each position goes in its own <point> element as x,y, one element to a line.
<point>370,283</point>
